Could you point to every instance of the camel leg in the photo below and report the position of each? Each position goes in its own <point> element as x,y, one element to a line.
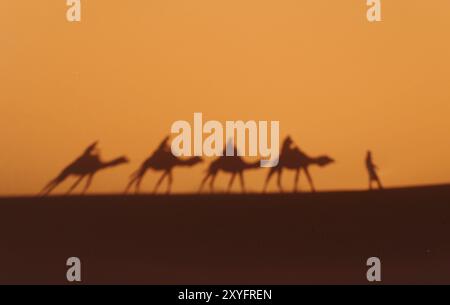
<point>204,181</point>
<point>211,183</point>
<point>297,177</point>
<point>169,186</point>
<point>159,182</point>
<point>50,187</point>
<point>137,185</point>
<point>129,185</point>
<point>231,182</point>
<point>53,184</point>
<point>75,185</point>
<point>310,180</point>
<point>138,182</point>
<point>241,178</point>
<point>133,180</point>
<point>88,183</point>
<point>266,183</point>
<point>370,184</point>
<point>279,172</point>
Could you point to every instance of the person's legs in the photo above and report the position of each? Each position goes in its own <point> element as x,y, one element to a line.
<point>380,186</point>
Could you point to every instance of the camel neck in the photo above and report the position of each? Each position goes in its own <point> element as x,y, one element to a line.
<point>253,165</point>
<point>111,163</point>
<point>187,162</point>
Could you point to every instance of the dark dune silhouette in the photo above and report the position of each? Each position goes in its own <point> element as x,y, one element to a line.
<point>87,165</point>
<point>295,159</point>
<point>161,160</point>
<point>302,238</point>
<point>372,171</point>
<point>234,165</point>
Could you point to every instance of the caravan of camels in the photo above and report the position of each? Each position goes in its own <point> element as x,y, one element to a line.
<point>162,160</point>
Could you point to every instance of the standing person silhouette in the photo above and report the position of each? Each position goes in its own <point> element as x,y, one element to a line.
<point>372,170</point>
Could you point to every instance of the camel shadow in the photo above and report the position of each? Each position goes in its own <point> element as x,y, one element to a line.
<point>87,165</point>
<point>163,160</point>
<point>293,158</point>
<point>234,165</point>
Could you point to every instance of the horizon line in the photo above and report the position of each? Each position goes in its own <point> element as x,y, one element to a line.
<point>224,193</point>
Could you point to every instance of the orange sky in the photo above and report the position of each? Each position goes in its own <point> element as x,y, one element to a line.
<point>337,84</point>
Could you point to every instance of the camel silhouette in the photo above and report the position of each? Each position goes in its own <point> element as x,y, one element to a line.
<point>234,165</point>
<point>88,164</point>
<point>161,160</point>
<point>294,158</point>
<point>372,170</point>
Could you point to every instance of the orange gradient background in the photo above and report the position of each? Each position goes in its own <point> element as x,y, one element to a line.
<point>337,83</point>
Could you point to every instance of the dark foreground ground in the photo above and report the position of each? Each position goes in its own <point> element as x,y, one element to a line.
<point>235,239</point>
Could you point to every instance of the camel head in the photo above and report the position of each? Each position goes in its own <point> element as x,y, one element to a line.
<point>324,161</point>
<point>119,161</point>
